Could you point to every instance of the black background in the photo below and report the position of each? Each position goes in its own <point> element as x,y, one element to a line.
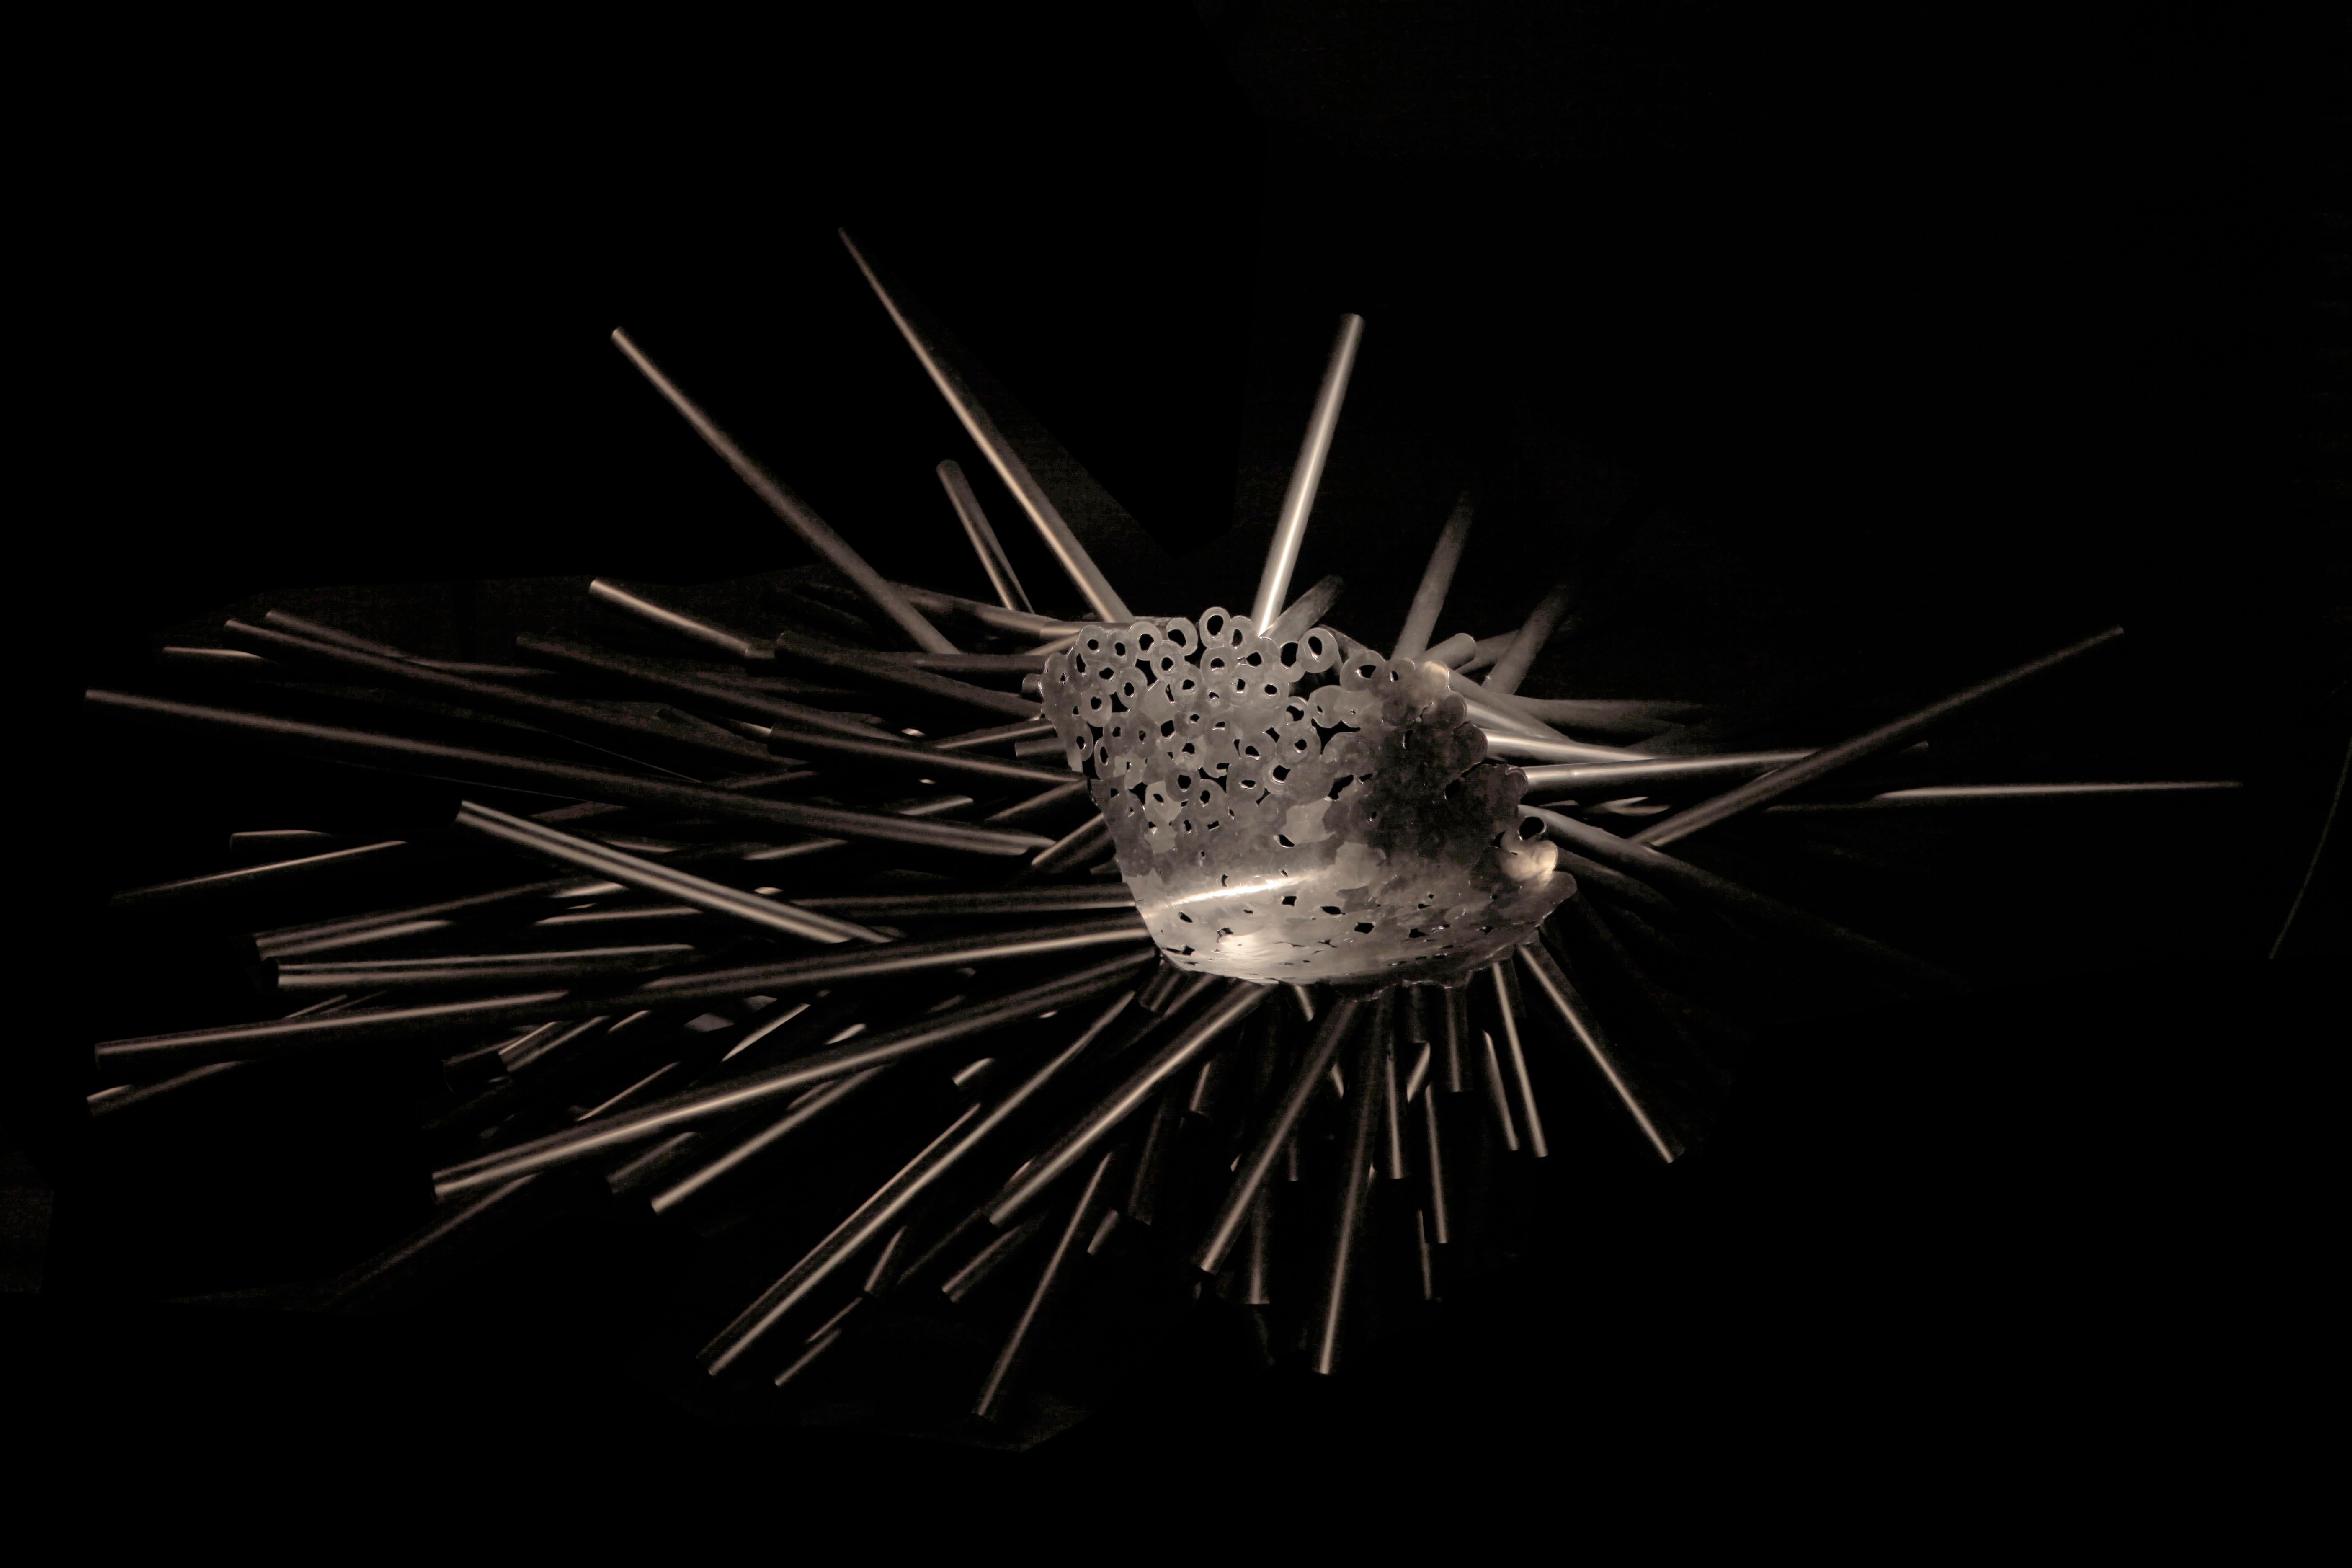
<point>1938,342</point>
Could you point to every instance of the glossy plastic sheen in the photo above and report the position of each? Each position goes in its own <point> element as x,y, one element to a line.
<point>1299,811</point>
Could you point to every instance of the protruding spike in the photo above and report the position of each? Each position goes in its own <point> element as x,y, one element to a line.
<point>1683,879</point>
<point>1454,1038</point>
<point>1100,596</point>
<point>996,1392</point>
<point>1327,1329</point>
<point>1498,1097</point>
<point>995,617</point>
<point>1650,1112</point>
<point>1829,759</point>
<point>1537,630</point>
<point>984,542</point>
<point>796,512</point>
<point>1304,611</point>
<point>1592,558</point>
<point>1507,1011</point>
<point>636,602</point>
<point>890,1203</point>
<point>1548,779</point>
<point>1105,1117</point>
<point>1483,652</point>
<point>851,1058</point>
<point>668,881</point>
<point>2005,794</point>
<point>1275,1140</point>
<point>1432,1160</point>
<point>1307,475</point>
<point>1503,742</point>
<point>1436,580</point>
